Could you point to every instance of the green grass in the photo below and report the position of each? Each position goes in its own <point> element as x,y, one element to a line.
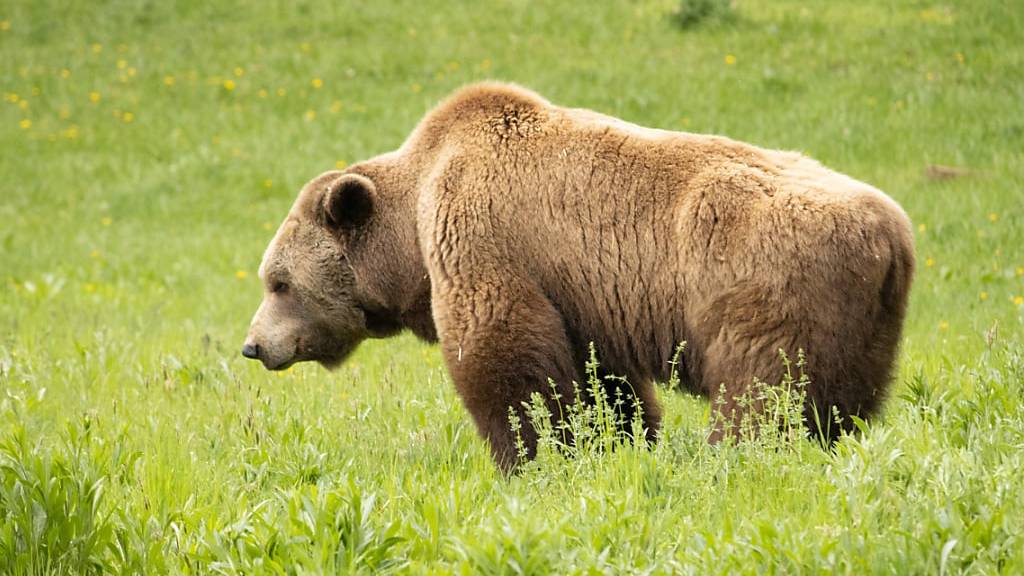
<point>135,439</point>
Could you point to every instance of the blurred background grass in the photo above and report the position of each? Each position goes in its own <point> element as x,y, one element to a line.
<point>151,148</point>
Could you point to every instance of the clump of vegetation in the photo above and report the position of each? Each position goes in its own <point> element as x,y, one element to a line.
<point>692,13</point>
<point>583,432</point>
<point>55,516</point>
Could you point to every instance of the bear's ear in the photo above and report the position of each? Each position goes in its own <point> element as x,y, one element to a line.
<point>349,201</point>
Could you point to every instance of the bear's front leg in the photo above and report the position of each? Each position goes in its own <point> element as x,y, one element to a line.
<point>502,343</point>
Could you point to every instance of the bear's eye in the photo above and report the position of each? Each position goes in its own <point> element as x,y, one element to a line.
<point>279,287</point>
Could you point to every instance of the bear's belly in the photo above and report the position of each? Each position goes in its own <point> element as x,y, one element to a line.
<point>636,324</point>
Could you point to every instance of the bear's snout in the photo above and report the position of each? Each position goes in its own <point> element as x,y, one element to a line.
<point>251,351</point>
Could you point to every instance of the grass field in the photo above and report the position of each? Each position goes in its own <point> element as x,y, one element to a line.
<point>150,148</point>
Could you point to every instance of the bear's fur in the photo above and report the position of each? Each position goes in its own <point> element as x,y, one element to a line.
<point>521,232</point>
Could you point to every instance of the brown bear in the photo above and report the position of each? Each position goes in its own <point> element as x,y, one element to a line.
<point>518,232</point>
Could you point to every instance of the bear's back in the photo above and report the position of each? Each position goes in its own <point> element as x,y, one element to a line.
<point>634,233</point>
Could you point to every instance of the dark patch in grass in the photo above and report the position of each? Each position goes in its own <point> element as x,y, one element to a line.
<point>693,13</point>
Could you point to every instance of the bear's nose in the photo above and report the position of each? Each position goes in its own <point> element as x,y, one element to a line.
<point>250,350</point>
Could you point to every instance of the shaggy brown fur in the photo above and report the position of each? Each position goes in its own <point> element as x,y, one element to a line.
<point>532,230</point>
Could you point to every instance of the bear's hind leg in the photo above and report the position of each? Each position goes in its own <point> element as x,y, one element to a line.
<point>740,351</point>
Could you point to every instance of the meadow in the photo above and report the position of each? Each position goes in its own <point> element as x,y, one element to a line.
<point>149,150</point>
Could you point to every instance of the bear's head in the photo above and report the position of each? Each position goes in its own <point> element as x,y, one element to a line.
<point>329,276</point>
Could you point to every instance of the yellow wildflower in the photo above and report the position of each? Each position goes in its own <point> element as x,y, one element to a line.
<point>12,98</point>
<point>5,25</point>
<point>983,296</point>
<point>317,83</point>
<point>122,64</point>
<point>23,104</point>
<point>929,262</point>
<point>106,221</point>
<point>943,325</point>
<point>229,85</point>
<point>25,124</point>
<point>1020,270</point>
<point>239,71</point>
<point>992,216</point>
<point>268,226</point>
<point>94,97</point>
<point>1019,300</point>
<point>281,91</point>
<point>97,48</point>
<point>310,115</point>
<point>340,164</point>
<point>128,117</point>
<point>305,47</point>
<point>959,57</point>
<point>65,73</point>
<point>262,93</point>
<point>730,59</point>
<point>921,227</point>
<point>416,87</point>
<point>169,80</point>
<point>241,274</point>
<point>268,183</point>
